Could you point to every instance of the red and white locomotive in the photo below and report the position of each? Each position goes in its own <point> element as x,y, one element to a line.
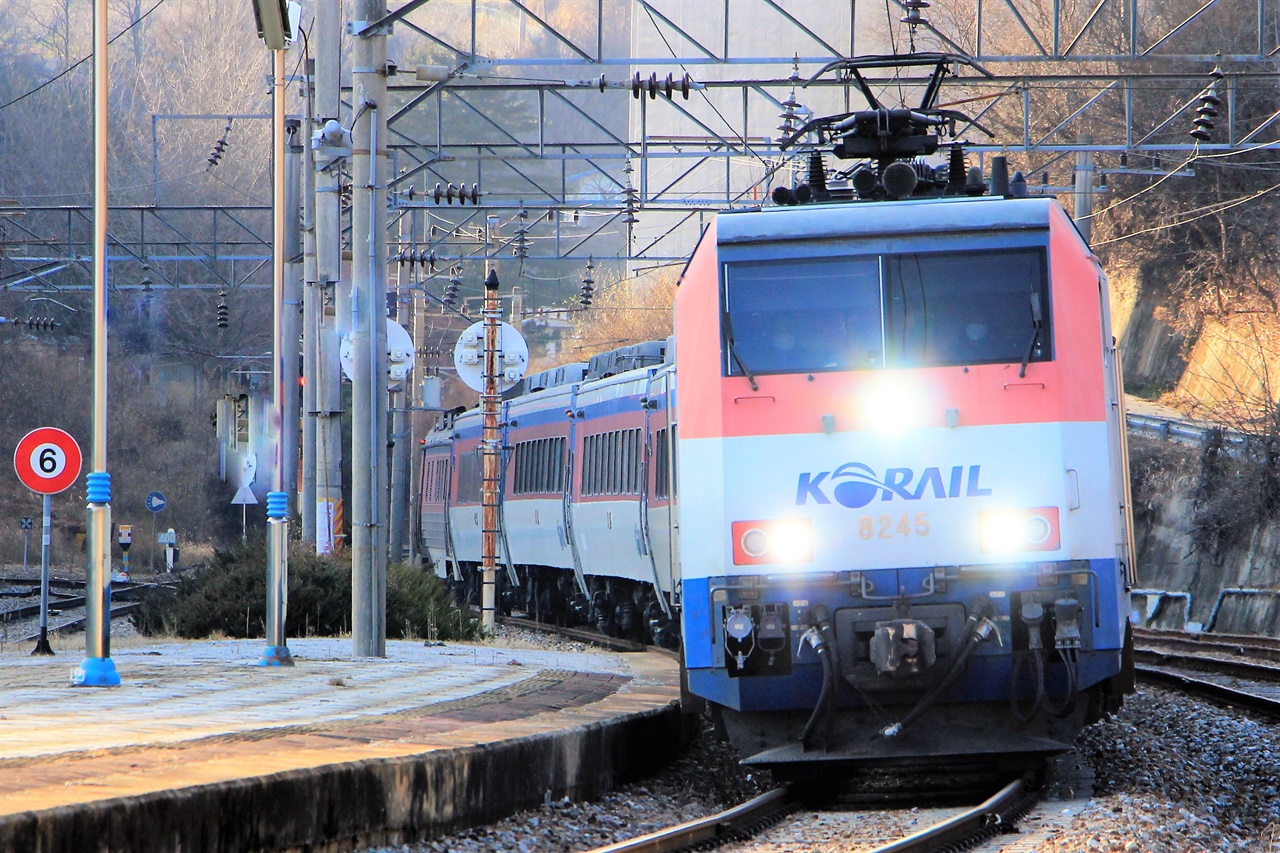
<point>881,488</point>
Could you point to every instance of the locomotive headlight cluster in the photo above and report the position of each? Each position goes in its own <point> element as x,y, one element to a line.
<point>1008,531</point>
<point>778,541</point>
<point>890,408</point>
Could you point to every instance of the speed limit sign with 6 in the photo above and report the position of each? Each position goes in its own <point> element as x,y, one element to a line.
<point>47,460</point>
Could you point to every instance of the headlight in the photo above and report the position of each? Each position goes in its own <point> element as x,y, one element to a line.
<point>1008,531</point>
<point>890,408</point>
<point>778,541</point>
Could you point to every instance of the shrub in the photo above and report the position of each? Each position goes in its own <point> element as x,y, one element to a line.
<point>419,604</point>
<point>228,598</point>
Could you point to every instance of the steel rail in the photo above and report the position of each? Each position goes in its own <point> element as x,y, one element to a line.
<point>52,581</point>
<point>990,817</point>
<point>78,624</point>
<point>1240,642</point>
<point>1155,643</point>
<point>1210,690</point>
<point>28,610</point>
<point>1254,670</point>
<point>616,644</point>
<point>722,827</point>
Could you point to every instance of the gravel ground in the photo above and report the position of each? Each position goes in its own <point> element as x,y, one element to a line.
<point>1177,774</point>
<point>1174,775</point>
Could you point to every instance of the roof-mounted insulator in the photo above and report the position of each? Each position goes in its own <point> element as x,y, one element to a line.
<point>817,172</point>
<point>914,18</point>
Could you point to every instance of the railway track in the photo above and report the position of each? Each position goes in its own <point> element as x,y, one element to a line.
<point>26,611</point>
<point>1265,648</point>
<point>955,829</point>
<point>616,644</point>
<point>20,607</point>
<point>76,623</point>
<point>1240,671</point>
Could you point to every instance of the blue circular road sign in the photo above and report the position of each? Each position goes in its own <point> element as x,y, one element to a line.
<point>156,501</point>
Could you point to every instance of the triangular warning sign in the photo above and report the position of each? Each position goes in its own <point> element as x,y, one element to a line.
<point>244,496</point>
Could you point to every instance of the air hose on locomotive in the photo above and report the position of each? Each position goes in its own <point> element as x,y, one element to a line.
<point>819,636</point>
<point>1033,617</point>
<point>978,627</point>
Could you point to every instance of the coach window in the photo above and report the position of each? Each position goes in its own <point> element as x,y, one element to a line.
<point>661,465</point>
<point>538,472</point>
<point>469,477</point>
<point>955,308</point>
<point>615,461</point>
<point>628,463</point>
<point>589,465</point>
<point>631,484</point>
<point>442,479</point>
<point>802,315</point>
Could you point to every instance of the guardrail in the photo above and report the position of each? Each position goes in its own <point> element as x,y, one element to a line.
<point>1184,431</point>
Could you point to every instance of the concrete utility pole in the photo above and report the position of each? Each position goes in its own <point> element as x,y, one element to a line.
<point>311,303</point>
<point>331,301</point>
<point>97,668</point>
<point>369,475</point>
<point>418,312</point>
<point>401,401</point>
<point>1084,189</point>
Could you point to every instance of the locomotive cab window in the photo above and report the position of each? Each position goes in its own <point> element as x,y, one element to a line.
<point>902,310</point>
<point>966,308</point>
<point>803,315</point>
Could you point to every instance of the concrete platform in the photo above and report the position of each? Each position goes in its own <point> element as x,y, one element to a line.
<point>201,750</point>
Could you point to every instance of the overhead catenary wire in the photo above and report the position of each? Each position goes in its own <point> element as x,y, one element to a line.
<point>82,60</point>
<point>745,143</point>
<point>1207,211</point>
<point>1200,212</point>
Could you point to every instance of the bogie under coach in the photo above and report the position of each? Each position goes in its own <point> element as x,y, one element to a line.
<point>881,487</point>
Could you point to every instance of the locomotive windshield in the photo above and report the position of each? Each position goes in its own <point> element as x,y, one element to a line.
<point>906,310</point>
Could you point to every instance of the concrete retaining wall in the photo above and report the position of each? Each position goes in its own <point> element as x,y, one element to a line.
<point>1233,590</point>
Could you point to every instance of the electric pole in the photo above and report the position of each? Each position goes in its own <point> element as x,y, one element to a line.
<point>369,475</point>
<point>1084,189</point>
<point>331,300</point>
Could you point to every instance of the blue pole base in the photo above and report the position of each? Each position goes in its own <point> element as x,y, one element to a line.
<point>95,672</point>
<point>276,656</point>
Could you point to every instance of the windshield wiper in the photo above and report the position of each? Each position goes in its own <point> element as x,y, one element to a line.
<point>733,352</point>
<point>1037,319</point>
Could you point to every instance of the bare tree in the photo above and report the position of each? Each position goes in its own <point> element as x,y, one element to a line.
<point>626,310</point>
